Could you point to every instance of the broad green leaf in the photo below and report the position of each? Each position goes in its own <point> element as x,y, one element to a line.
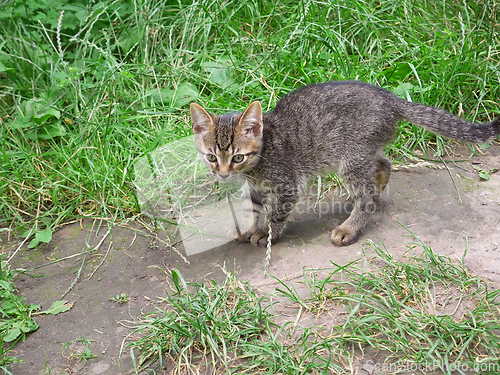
<point>175,278</point>
<point>49,112</point>
<point>29,326</point>
<point>35,108</point>
<point>127,74</point>
<point>45,236</point>
<point>219,73</point>
<point>5,15</point>
<point>161,96</point>
<point>12,334</point>
<point>52,131</point>
<point>20,122</point>
<point>484,176</point>
<point>186,93</point>
<point>403,90</point>
<point>129,39</point>
<point>399,72</point>
<point>57,308</point>
<point>54,112</point>
<point>28,233</point>
<point>12,303</point>
<point>6,285</point>
<point>34,243</point>
<point>31,134</point>
<point>46,220</point>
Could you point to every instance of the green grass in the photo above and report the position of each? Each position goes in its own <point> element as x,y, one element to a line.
<point>204,323</point>
<point>89,88</point>
<point>420,309</point>
<point>87,92</point>
<point>424,309</point>
<point>16,318</point>
<point>78,349</point>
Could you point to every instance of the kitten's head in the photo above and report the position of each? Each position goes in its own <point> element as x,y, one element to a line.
<point>228,144</point>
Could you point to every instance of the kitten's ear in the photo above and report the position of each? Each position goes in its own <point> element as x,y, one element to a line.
<point>251,120</point>
<point>202,121</point>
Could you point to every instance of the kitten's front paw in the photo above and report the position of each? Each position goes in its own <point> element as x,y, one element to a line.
<point>234,235</point>
<point>344,237</point>
<point>256,237</point>
<point>259,238</point>
<point>242,238</point>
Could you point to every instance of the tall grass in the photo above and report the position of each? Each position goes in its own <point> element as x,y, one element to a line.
<point>87,88</point>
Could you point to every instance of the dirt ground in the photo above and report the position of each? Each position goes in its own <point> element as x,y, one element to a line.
<point>423,199</point>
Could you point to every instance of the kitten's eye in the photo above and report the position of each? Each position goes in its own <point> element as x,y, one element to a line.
<point>211,158</point>
<point>238,158</point>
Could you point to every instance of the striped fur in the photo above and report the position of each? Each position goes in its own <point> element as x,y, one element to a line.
<point>334,126</point>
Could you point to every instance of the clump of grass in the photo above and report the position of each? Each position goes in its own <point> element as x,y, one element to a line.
<point>203,323</point>
<point>121,298</point>
<point>78,349</point>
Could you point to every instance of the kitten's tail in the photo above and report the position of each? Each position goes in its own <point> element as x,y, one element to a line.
<point>444,123</point>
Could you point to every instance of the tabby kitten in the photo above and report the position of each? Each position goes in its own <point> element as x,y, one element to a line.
<point>333,126</point>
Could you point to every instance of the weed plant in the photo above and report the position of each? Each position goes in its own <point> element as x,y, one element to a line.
<point>87,88</point>
<point>15,317</point>
<point>78,349</point>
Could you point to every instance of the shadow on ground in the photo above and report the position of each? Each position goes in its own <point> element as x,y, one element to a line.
<point>130,260</point>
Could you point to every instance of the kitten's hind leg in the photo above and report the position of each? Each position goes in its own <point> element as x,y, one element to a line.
<point>382,173</point>
<point>364,191</point>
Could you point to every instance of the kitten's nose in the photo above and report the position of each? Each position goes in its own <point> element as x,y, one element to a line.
<point>223,175</point>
